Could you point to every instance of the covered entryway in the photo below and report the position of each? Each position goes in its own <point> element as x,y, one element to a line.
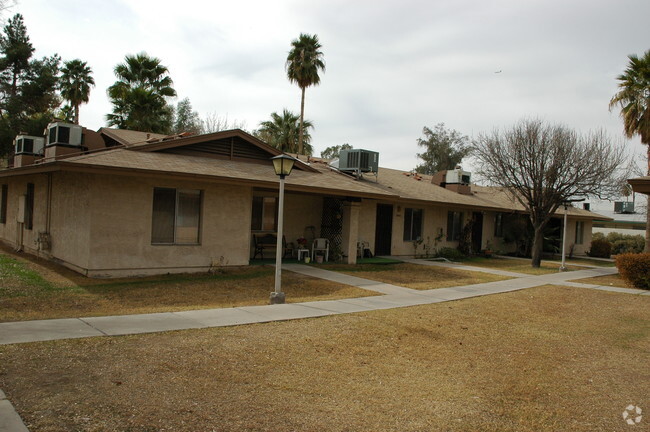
<point>384,229</point>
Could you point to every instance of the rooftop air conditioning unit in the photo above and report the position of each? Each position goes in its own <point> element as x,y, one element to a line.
<point>29,145</point>
<point>458,176</point>
<point>65,134</point>
<point>623,207</point>
<point>359,160</point>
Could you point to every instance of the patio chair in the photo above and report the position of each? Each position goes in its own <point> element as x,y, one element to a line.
<point>320,244</point>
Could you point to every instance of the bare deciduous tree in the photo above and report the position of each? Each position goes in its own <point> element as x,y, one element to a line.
<point>213,122</point>
<point>544,165</point>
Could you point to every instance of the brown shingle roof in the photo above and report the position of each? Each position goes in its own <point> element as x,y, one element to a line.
<point>324,180</point>
<point>129,137</point>
<point>140,156</point>
<point>420,188</point>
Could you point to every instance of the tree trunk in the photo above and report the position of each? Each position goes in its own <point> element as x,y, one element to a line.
<point>538,244</point>
<point>302,115</point>
<point>647,210</point>
<point>76,114</point>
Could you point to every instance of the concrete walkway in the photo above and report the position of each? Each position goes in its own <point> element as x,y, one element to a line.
<point>10,421</point>
<point>393,297</point>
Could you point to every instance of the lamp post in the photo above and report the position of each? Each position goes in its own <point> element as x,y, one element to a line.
<point>566,210</point>
<point>564,229</point>
<point>282,165</point>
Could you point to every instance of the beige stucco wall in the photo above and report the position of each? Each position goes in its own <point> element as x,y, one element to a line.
<point>578,249</point>
<point>101,224</point>
<point>9,231</point>
<point>120,241</point>
<point>367,222</point>
<point>71,218</point>
<point>434,222</point>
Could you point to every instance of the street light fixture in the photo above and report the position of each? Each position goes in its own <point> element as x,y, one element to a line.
<point>564,229</point>
<point>282,165</point>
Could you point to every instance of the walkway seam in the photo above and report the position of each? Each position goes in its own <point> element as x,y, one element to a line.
<point>92,326</point>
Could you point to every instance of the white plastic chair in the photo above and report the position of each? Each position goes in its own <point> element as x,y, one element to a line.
<point>321,244</point>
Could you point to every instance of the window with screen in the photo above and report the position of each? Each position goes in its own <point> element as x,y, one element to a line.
<point>264,217</point>
<point>454,225</point>
<point>498,225</point>
<point>412,224</point>
<point>580,228</point>
<point>176,217</point>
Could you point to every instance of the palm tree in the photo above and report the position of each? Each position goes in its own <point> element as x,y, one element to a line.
<point>139,96</point>
<point>634,99</point>
<point>303,63</point>
<point>76,80</point>
<point>283,131</point>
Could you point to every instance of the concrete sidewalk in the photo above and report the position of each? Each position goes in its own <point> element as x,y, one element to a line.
<point>393,297</point>
<point>10,421</point>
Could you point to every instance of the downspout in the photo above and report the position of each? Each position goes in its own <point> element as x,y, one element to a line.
<point>48,201</point>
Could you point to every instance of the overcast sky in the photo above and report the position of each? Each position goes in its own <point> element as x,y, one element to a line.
<point>392,66</point>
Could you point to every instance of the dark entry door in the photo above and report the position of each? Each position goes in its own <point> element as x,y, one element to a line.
<point>477,232</point>
<point>384,229</point>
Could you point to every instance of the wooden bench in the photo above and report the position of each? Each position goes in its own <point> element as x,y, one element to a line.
<point>269,241</point>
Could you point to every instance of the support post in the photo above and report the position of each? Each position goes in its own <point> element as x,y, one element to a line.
<point>350,234</point>
<point>277,296</point>
<point>564,230</point>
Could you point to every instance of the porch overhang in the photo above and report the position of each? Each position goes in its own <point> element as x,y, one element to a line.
<point>640,185</point>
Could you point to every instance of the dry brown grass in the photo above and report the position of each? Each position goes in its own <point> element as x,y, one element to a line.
<point>532,360</point>
<point>517,265</point>
<point>609,280</point>
<point>415,276</point>
<point>37,289</point>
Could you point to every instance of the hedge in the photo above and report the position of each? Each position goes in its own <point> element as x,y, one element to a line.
<point>450,254</point>
<point>635,269</point>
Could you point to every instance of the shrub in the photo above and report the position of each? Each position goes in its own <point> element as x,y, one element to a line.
<point>635,269</point>
<point>600,248</point>
<point>451,254</point>
<point>598,236</point>
<point>625,243</point>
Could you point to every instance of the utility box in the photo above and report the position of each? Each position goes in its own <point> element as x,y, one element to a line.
<point>64,134</point>
<point>29,145</point>
<point>358,160</point>
<point>623,207</point>
<point>458,176</point>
